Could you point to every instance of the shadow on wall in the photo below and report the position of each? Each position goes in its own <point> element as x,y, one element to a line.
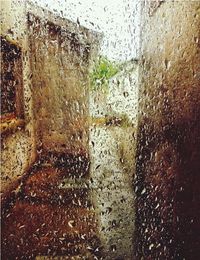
<point>168,166</point>
<point>167,190</point>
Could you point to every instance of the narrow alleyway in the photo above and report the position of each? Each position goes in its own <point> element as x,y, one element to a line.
<point>100,130</point>
<point>48,218</point>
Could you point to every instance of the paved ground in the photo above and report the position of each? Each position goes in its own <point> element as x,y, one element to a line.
<point>49,219</point>
<point>112,170</point>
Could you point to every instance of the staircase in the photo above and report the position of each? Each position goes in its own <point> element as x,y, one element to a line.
<point>52,216</point>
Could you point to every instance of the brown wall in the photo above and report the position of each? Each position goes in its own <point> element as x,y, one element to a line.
<point>18,147</point>
<point>55,84</point>
<point>60,54</point>
<point>168,165</point>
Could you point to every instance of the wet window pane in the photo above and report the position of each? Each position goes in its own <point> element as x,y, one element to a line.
<point>100,129</point>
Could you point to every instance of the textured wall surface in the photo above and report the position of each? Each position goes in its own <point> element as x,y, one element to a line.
<point>55,84</point>
<point>17,148</point>
<point>112,155</point>
<point>60,56</point>
<point>168,166</point>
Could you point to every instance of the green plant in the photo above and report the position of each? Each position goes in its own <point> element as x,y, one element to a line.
<point>103,70</point>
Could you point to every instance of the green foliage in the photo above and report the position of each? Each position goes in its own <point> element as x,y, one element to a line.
<point>102,72</point>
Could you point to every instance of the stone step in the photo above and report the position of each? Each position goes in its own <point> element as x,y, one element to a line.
<point>48,184</point>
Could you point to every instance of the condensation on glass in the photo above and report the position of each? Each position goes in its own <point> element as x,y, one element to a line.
<point>100,129</point>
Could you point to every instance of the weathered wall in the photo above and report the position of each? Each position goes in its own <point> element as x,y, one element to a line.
<point>119,98</point>
<point>60,59</point>
<point>55,84</point>
<point>122,98</point>
<point>168,165</point>
<point>112,155</point>
<point>17,148</point>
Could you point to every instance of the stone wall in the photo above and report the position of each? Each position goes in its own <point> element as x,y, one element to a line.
<point>112,155</point>
<point>18,148</point>
<point>168,165</point>
<point>60,54</point>
<point>55,84</point>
